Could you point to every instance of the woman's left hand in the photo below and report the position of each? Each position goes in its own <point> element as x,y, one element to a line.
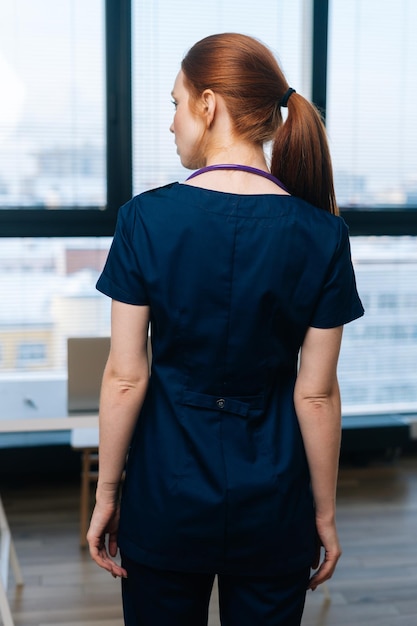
<point>103,530</point>
<point>328,539</point>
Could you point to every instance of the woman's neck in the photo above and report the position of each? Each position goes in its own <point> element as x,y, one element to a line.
<point>240,153</point>
<point>236,181</point>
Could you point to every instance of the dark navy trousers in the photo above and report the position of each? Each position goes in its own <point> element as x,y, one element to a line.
<point>154,597</point>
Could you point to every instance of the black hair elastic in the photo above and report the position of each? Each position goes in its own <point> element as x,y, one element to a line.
<point>284,100</point>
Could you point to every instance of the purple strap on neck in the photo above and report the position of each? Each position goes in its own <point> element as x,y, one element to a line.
<point>244,168</point>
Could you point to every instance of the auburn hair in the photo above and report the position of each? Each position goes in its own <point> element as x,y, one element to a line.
<point>246,74</point>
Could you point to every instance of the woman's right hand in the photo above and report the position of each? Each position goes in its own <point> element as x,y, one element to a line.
<point>102,538</point>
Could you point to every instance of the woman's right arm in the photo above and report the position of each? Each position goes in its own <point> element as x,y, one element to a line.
<point>124,386</point>
<point>317,404</point>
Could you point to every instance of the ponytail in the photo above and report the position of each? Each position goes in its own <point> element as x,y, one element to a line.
<point>301,157</point>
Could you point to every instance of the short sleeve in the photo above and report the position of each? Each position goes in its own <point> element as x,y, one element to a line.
<point>339,301</point>
<point>122,277</point>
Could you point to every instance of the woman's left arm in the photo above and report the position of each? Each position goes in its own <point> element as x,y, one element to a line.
<point>317,403</point>
<point>123,391</point>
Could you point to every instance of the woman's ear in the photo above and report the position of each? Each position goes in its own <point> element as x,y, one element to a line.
<point>208,101</point>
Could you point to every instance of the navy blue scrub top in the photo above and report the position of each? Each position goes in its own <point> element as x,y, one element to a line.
<point>217,478</point>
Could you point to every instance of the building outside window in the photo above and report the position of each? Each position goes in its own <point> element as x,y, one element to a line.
<point>29,353</point>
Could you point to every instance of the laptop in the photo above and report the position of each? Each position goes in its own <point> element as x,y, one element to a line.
<point>86,358</point>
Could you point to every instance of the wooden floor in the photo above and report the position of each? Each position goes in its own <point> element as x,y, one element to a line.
<point>375,585</point>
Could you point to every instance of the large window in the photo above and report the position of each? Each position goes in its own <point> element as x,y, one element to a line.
<point>65,124</point>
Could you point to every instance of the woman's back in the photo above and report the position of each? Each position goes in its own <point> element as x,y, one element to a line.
<point>233,282</point>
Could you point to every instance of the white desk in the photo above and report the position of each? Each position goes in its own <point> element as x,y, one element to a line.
<point>84,437</point>
<point>78,425</point>
<point>44,424</point>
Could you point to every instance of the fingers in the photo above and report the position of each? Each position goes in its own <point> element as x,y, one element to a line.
<point>328,538</point>
<point>103,560</point>
<point>113,547</point>
<point>324,572</point>
<point>326,569</point>
<point>103,525</point>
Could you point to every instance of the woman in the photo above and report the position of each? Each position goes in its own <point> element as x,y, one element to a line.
<point>245,276</point>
